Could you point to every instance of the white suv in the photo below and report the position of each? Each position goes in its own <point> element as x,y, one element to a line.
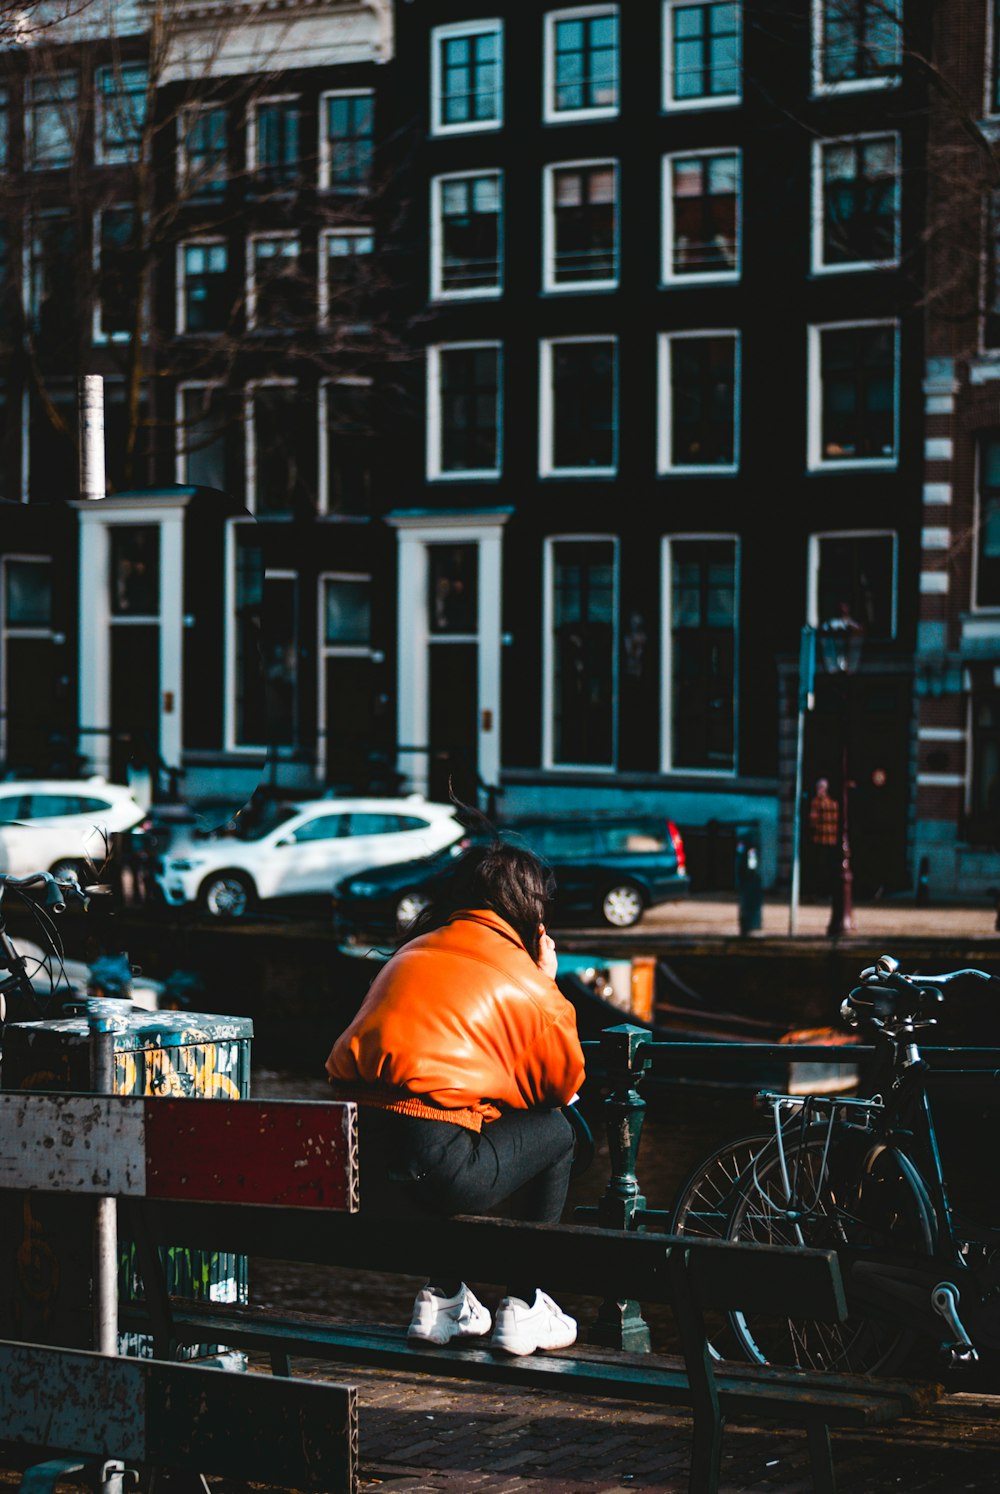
<point>62,825</point>
<point>297,850</point>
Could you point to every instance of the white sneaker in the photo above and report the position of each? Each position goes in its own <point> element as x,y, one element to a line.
<point>521,1329</point>
<point>437,1319</point>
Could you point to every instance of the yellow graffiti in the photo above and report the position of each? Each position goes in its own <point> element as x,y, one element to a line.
<point>190,1071</point>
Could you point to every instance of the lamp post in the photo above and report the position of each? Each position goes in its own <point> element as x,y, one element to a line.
<point>840,640</point>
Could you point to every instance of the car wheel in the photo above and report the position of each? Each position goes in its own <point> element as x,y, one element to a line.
<point>622,905</point>
<point>409,908</point>
<point>68,870</point>
<point>226,894</point>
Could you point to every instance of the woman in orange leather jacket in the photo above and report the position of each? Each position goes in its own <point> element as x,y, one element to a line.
<point>466,1051</point>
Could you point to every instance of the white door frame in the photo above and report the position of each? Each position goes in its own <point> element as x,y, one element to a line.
<point>415,533</point>
<point>166,511</point>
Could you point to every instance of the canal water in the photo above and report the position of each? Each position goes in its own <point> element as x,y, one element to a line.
<point>677,1133</point>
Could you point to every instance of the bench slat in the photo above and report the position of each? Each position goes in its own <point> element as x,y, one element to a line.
<point>570,1258</point>
<point>301,1433</point>
<point>838,1400</point>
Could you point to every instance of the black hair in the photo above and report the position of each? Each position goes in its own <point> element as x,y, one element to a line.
<point>501,875</point>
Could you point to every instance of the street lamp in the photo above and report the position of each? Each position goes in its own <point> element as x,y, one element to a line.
<point>840,641</point>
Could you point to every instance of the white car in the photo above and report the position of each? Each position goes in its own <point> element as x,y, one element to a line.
<point>62,825</point>
<point>300,850</point>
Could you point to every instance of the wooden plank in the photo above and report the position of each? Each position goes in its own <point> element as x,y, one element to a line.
<point>786,1280</point>
<point>72,1143</point>
<point>287,1153</point>
<point>301,1433</point>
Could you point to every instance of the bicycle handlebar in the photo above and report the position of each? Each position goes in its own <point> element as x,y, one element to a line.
<point>56,892</point>
<point>878,997</point>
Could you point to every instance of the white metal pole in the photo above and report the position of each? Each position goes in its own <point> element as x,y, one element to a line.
<point>93,483</point>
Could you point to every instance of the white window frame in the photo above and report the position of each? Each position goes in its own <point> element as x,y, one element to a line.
<point>442,33</point>
<point>253,167</point>
<point>668,276</point>
<point>99,337</point>
<point>550,113</point>
<point>180,425</point>
<point>814,444</point>
<point>250,436</point>
<point>11,631</point>
<point>30,105</point>
<point>434,472</point>
<point>820,86</point>
<point>549,282</point>
<point>325,651</point>
<point>100,101</point>
<point>438,292</point>
<point>819,146</point>
<point>546,410</point>
<point>353,381</point>
<point>284,235</point>
<point>814,552</point>
<point>666,653</point>
<point>670,103</point>
<point>549,656</point>
<point>232,747</point>
<point>323,273</point>
<point>180,308</point>
<point>324,140</point>
<point>664,425</point>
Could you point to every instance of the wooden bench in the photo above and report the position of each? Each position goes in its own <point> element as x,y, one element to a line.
<point>102,1415</point>
<point>280,1180</point>
<point>690,1276</point>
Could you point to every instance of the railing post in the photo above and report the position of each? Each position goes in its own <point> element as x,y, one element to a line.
<point>105,1265</point>
<point>620,1324</point>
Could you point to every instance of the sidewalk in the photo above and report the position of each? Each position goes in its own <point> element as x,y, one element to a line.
<point>717,914</point>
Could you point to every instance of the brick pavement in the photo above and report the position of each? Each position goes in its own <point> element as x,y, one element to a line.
<point>424,1436</point>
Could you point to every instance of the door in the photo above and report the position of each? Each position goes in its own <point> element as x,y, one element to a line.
<point>453,670</point>
<point>135,699</point>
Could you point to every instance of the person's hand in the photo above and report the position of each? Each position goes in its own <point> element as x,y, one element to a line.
<point>548,960</point>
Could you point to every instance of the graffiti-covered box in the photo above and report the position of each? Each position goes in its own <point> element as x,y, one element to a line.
<point>45,1240</point>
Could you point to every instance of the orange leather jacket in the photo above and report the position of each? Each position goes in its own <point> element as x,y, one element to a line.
<point>463,1018</point>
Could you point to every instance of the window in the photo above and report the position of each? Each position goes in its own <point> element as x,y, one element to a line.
<point>466,235</point>
<point>345,280</point>
<point>857,570</point>
<point>701,227</point>
<point>203,301</point>
<point>855,202</point>
<point>53,270</point>
<point>121,112</point>
<point>702,54</point>
<point>4,129</point>
<point>28,594</point>
<point>332,826</point>
<point>51,121</point>
<point>277,436</point>
<point>347,447</point>
<point>700,654</point>
<point>135,570</point>
<point>853,395</point>
<point>249,717</point>
<point>991,290</point>
<point>275,142</point>
<point>201,436</point>
<point>581,225</point>
<point>988,524</point>
<point>463,408</point>
<point>581,652</point>
<point>204,151</point>
<point>8,285</point>
<point>276,295</point>
<point>453,590</point>
<point>579,399</point>
<point>347,146</point>
<point>581,63</point>
<point>699,402</point>
<point>51,471</point>
<point>116,307</point>
<point>466,77</point>
<point>347,611</point>
<point>856,44</point>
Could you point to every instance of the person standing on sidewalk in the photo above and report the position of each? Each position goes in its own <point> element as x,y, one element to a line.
<point>461,1058</point>
<point>824,837</point>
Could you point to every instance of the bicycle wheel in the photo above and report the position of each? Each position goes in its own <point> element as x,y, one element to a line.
<point>844,1197</point>
<point>702,1208</point>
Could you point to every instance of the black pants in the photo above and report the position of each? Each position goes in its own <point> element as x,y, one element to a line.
<point>449,1169</point>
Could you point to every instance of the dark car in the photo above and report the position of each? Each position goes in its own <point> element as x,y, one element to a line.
<point>611,868</point>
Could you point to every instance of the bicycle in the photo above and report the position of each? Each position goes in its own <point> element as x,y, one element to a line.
<point>41,893</point>
<point>864,1177</point>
